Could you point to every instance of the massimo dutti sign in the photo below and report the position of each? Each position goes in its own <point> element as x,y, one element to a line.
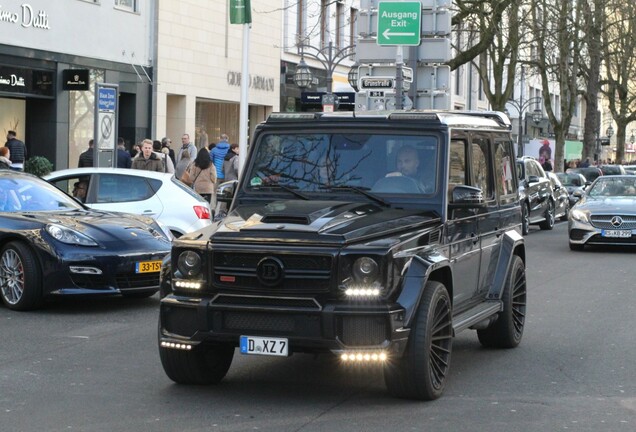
<point>27,81</point>
<point>75,79</point>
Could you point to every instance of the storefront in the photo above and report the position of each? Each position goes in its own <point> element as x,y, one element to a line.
<point>50,59</point>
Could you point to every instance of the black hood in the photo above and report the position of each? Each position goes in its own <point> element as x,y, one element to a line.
<point>321,222</point>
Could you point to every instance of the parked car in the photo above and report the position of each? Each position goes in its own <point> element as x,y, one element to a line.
<point>535,194</point>
<point>374,237</point>
<point>606,213</point>
<point>573,182</point>
<point>613,169</point>
<point>561,197</point>
<point>147,193</point>
<point>52,245</point>
<point>590,173</point>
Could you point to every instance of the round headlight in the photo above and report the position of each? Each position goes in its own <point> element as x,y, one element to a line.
<point>365,270</point>
<point>189,263</point>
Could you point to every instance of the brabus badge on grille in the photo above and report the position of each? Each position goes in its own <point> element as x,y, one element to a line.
<point>270,271</point>
<point>616,221</point>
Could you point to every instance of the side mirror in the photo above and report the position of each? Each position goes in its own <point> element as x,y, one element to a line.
<point>225,191</point>
<point>467,197</point>
<point>577,193</point>
<point>533,179</point>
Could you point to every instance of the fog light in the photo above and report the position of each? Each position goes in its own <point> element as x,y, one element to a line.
<point>362,357</point>
<point>362,292</point>
<point>173,345</point>
<point>188,284</point>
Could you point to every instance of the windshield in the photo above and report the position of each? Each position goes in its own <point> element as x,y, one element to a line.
<point>570,179</point>
<point>31,194</point>
<point>322,163</point>
<point>614,187</point>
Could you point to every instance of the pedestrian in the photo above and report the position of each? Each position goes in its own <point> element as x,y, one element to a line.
<point>201,175</point>
<point>218,156</point>
<point>165,145</point>
<point>5,158</point>
<point>231,163</point>
<point>123,157</point>
<point>86,157</point>
<point>182,165</point>
<point>585,163</point>
<point>18,151</point>
<point>187,145</point>
<point>148,160</point>
<point>168,166</point>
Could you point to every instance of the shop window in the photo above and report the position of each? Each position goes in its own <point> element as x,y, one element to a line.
<point>81,114</point>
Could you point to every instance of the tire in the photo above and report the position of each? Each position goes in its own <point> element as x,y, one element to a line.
<point>576,247</point>
<point>204,365</point>
<point>20,277</point>
<point>548,223</point>
<point>507,330</point>
<point>423,370</point>
<point>525,219</point>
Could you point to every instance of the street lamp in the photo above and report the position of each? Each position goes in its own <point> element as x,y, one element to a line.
<point>521,108</point>
<point>632,139</point>
<point>330,57</point>
<point>610,131</point>
<point>352,76</point>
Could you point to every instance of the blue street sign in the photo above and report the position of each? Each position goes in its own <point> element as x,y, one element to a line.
<point>107,99</point>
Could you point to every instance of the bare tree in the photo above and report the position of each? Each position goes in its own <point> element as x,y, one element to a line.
<point>619,45</point>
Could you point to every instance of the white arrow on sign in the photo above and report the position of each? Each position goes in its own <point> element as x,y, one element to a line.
<point>387,33</point>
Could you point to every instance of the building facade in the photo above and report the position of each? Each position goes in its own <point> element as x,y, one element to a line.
<point>51,55</point>
<point>199,65</point>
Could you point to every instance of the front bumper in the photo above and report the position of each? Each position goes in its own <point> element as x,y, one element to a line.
<point>308,325</point>
<point>581,233</point>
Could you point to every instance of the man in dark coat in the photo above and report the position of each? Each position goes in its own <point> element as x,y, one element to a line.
<point>123,157</point>
<point>18,151</point>
<point>86,158</point>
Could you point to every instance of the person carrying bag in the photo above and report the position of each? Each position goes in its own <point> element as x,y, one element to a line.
<point>201,176</point>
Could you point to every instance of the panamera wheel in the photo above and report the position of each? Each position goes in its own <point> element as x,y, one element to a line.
<point>19,277</point>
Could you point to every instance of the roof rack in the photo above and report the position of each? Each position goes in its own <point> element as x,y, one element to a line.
<point>498,116</point>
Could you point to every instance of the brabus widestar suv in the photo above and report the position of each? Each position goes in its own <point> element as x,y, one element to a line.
<point>375,237</point>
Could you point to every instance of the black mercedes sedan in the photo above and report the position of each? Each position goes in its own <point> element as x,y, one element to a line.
<point>52,245</point>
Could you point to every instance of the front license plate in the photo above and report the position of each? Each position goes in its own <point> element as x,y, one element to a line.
<point>617,233</point>
<point>147,266</point>
<point>264,346</point>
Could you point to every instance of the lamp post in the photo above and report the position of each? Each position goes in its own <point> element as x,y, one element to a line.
<point>632,139</point>
<point>521,108</point>
<point>330,57</point>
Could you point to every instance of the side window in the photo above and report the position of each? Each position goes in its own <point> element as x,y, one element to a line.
<point>480,167</point>
<point>118,188</point>
<point>457,168</point>
<point>506,187</point>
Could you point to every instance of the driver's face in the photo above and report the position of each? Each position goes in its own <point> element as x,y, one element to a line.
<point>407,163</point>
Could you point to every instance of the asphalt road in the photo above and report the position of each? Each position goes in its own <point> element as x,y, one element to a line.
<point>94,366</point>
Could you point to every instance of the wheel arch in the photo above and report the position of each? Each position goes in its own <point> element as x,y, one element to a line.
<point>512,244</point>
<point>419,272</point>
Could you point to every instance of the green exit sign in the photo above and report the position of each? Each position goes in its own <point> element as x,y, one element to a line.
<point>399,23</point>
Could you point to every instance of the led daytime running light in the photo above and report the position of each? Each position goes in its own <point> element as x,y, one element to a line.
<point>364,356</point>
<point>173,345</point>
<point>188,284</point>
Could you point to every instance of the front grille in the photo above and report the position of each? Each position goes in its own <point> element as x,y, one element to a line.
<point>142,280</point>
<point>261,322</point>
<point>363,331</point>
<point>303,273</point>
<point>268,302</point>
<point>89,281</point>
<point>604,222</point>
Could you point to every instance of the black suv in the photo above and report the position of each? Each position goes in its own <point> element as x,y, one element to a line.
<point>376,237</point>
<point>536,195</point>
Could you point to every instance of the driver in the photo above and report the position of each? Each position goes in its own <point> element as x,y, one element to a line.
<point>407,162</point>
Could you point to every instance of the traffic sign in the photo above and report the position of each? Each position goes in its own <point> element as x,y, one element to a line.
<point>399,23</point>
<point>376,83</point>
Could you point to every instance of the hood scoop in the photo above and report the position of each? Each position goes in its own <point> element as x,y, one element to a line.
<point>285,219</point>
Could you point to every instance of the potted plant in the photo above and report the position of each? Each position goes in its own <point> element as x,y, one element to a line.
<point>38,165</point>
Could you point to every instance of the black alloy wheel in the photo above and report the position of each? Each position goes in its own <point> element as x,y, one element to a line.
<point>507,330</point>
<point>548,223</point>
<point>423,370</point>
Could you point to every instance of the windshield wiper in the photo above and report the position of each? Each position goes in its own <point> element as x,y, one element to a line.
<point>360,190</point>
<point>289,189</point>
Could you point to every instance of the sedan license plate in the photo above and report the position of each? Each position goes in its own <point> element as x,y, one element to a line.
<point>617,233</point>
<point>255,345</point>
<point>148,266</point>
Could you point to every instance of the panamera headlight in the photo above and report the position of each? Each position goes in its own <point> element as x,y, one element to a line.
<point>365,270</point>
<point>69,236</point>
<point>189,263</point>
<point>579,216</point>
